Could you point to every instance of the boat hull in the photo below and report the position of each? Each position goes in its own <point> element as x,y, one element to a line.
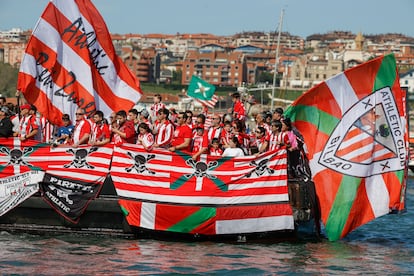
<point>105,217</point>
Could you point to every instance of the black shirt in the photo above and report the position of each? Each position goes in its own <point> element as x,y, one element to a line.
<point>6,127</point>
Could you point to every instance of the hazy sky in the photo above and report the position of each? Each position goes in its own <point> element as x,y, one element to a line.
<point>226,17</point>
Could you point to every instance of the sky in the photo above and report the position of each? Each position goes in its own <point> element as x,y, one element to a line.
<point>227,17</point>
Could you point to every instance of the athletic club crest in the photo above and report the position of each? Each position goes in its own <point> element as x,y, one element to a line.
<point>369,139</point>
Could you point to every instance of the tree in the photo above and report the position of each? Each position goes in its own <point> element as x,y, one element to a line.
<point>265,77</point>
<point>8,80</point>
<point>176,79</point>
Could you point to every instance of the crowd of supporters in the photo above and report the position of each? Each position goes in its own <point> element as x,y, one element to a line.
<point>159,127</point>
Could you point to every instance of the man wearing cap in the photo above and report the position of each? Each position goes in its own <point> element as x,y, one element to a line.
<point>28,128</point>
<point>182,134</point>
<point>6,126</point>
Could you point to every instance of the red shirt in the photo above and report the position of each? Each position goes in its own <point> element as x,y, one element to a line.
<point>216,151</point>
<point>276,141</point>
<point>100,132</point>
<point>129,129</point>
<point>180,133</point>
<point>199,142</point>
<point>214,132</point>
<point>239,110</point>
<point>164,133</point>
<point>81,128</point>
<point>27,125</point>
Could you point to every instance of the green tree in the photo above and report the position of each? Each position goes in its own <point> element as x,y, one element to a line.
<point>265,77</point>
<point>8,79</point>
<point>176,79</point>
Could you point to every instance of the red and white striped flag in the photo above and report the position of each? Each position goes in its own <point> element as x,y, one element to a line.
<point>210,103</point>
<point>70,62</point>
<point>210,196</point>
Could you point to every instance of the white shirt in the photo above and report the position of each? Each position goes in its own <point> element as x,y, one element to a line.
<point>233,152</point>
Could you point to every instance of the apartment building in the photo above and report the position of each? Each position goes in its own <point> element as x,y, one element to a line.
<point>216,67</point>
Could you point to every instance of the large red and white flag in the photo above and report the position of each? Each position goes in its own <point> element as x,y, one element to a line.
<point>70,62</point>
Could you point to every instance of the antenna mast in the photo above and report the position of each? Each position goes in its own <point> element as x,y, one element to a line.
<point>276,58</point>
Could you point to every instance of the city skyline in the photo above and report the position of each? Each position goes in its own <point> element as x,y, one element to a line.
<point>302,18</point>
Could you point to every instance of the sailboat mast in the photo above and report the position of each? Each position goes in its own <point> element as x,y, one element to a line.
<point>276,58</point>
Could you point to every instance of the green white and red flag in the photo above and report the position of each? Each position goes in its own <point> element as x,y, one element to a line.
<point>355,129</point>
<point>160,190</point>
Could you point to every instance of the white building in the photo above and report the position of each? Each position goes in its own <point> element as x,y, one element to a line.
<point>407,80</point>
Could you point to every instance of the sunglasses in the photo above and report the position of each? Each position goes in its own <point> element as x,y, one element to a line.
<point>78,113</point>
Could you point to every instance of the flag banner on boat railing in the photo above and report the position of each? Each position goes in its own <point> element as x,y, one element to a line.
<point>170,191</point>
<point>169,177</point>
<point>210,220</point>
<point>85,163</point>
<point>68,197</point>
<point>18,157</point>
<point>64,165</point>
<point>355,128</point>
<point>17,188</point>
<point>70,62</point>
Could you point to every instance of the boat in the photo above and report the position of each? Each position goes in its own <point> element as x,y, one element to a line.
<point>352,169</point>
<point>154,194</point>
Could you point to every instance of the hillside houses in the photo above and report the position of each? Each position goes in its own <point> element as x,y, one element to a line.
<point>242,58</point>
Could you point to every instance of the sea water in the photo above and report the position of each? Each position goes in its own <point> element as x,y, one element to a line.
<point>384,246</point>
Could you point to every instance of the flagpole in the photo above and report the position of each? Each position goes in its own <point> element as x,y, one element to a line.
<point>276,58</point>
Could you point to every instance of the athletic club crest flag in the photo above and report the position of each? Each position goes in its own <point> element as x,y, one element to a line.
<point>355,129</point>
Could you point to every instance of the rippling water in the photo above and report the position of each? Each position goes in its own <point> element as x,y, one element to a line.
<point>382,247</point>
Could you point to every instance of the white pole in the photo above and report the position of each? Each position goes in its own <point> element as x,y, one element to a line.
<point>276,59</point>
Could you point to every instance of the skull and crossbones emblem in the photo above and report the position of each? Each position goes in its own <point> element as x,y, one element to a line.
<point>16,155</point>
<point>201,168</point>
<point>139,163</point>
<point>63,193</point>
<point>261,168</point>
<point>80,158</point>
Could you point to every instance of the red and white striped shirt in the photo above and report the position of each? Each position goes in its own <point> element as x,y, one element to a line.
<point>46,129</point>
<point>81,128</point>
<point>214,132</point>
<point>164,134</point>
<point>277,140</point>
<point>100,132</point>
<point>154,110</point>
<point>199,142</point>
<point>226,136</point>
<point>27,125</point>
